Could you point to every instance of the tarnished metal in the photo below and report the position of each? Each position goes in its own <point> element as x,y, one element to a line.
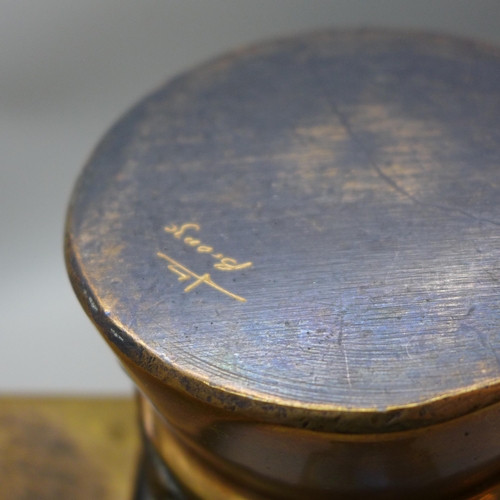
<point>294,250</point>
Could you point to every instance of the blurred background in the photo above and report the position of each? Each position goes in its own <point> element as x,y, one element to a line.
<point>68,70</point>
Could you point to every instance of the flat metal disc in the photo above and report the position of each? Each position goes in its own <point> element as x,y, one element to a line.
<point>313,222</point>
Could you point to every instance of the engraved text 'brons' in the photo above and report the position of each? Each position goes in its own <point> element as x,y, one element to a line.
<point>185,274</point>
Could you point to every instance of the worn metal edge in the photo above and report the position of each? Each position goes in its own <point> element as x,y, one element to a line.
<point>269,407</point>
<point>336,418</point>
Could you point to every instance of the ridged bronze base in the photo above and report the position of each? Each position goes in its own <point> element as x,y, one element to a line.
<point>154,479</point>
<point>157,481</point>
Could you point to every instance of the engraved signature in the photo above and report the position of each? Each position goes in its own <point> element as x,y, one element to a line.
<point>185,274</point>
<point>224,264</point>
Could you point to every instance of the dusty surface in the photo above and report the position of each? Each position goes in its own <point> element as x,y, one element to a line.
<point>308,225</point>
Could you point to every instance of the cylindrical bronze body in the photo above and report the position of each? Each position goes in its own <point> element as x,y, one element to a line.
<point>294,250</point>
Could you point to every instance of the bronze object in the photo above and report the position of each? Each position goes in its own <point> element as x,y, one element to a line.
<point>294,251</point>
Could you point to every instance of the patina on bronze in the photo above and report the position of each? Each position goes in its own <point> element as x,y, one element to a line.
<point>295,252</point>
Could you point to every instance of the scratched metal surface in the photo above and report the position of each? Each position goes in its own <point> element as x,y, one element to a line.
<point>344,252</point>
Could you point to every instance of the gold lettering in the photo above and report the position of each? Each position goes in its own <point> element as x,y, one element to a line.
<point>204,249</point>
<point>228,264</point>
<point>185,227</point>
<point>202,279</point>
<point>184,274</point>
<point>225,264</point>
<point>171,229</point>
<point>191,241</point>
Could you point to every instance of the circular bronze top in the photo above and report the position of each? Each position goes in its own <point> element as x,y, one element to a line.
<point>308,227</point>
